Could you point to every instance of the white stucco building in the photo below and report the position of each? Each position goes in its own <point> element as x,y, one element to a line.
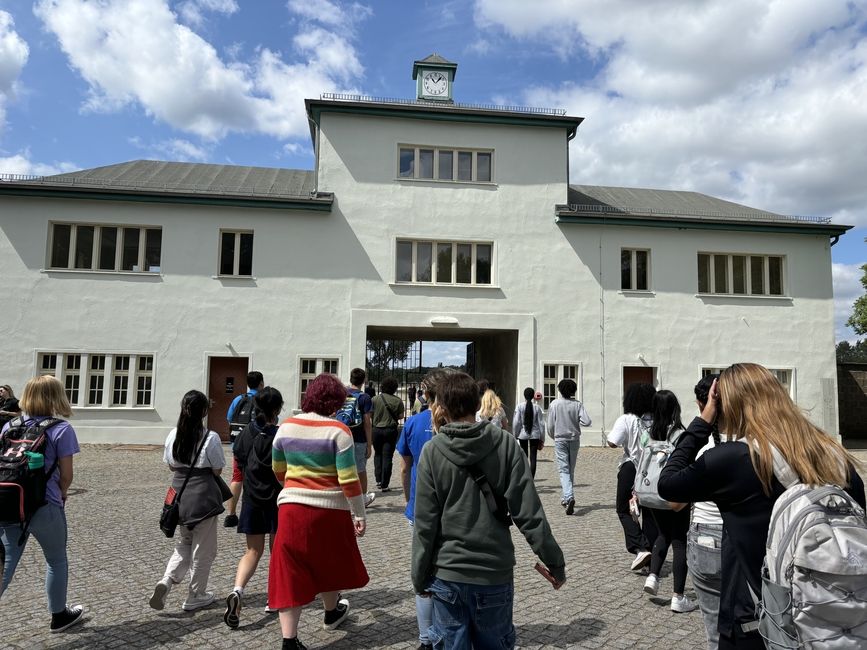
<point>422,219</point>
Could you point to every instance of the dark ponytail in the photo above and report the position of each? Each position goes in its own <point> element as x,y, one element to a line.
<point>194,407</point>
<point>528,410</point>
<point>269,403</point>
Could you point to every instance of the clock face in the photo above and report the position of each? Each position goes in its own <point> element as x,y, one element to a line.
<point>435,83</point>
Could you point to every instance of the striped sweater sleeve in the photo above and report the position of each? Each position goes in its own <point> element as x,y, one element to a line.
<point>347,474</point>
<point>278,459</point>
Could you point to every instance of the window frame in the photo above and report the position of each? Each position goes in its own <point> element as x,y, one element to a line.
<point>434,267</point>
<point>455,151</point>
<point>708,369</point>
<point>236,260</point>
<point>108,372</point>
<point>319,366</point>
<point>633,270</point>
<point>96,248</point>
<point>547,382</point>
<point>747,275</point>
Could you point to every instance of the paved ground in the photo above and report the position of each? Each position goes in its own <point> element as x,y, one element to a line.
<point>117,553</point>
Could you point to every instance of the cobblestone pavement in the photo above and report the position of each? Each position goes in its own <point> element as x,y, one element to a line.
<point>117,553</point>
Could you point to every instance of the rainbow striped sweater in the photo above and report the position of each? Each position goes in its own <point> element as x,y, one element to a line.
<point>314,457</point>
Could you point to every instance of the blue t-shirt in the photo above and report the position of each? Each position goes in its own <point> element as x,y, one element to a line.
<point>364,405</point>
<point>417,430</point>
<point>231,412</point>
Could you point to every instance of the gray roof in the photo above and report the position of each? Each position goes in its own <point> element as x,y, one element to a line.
<point>650,203</point>
<point>435,58</point>
<point>190,178</point>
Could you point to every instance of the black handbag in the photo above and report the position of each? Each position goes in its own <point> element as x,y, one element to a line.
<point>171,513</point>
<point>225,492</point>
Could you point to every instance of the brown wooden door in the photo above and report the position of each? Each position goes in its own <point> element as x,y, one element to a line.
<point>227,378</point>
<point>636,375</point>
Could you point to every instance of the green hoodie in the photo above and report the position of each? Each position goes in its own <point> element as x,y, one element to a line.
<point>456,536</point>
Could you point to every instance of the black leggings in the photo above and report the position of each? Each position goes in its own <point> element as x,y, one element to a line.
<point>384,441</point>
<point>673,528</point>
<point>636,536</point>
<point>531,448</point>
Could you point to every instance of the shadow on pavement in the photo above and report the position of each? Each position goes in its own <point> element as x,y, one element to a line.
<point>559,636</point>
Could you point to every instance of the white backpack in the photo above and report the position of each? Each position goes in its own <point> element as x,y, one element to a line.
<point>814,577</point>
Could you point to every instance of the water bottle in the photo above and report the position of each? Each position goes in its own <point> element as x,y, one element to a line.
<point>35,460</point>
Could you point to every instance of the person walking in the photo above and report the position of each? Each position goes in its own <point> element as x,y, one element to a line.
<point>672,525</point>
<point>320,512</point>
<point>191,450</point>
<point>362,431</point>
<point>566,416</point>
<point>462,553</point>
<point>417,431</point>
<point>239,415</point>
<point>44,398</point>
<point>388,410</point>
<point>492,410</point>
<point>529,427</point>
<point>253,452</point>
<point>627,433</point>
<point>753,408</point>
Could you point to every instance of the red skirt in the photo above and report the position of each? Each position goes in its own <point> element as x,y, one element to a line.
<point>315,552</point>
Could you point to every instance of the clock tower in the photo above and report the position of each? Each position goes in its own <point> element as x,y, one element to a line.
<point>435,76</point>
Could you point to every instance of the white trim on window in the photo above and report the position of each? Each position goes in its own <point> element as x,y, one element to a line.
<point>310,366</point>
<point>636,279</point>
<point>786,375</point>
<point>552,373</point>
<point>236,254</point>
<point>428,266</point>
<point>741,274</point>
<point>108,259</point>
<point>411,156</point>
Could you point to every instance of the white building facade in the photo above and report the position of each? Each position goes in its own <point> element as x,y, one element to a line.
<point>421,220</point>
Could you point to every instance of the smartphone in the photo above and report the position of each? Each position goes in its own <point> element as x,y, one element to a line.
<point>541,568</point>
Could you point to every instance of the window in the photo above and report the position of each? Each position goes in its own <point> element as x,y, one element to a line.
<point>634,270</point>
<point>432,163</point>
<point>310,367</point>
<point>236,253</point>
<point>753,275</point>
<point>553,374</point>
<point>783,375</point>
<point>109,248</point>
<point>100,379</point>
<point>438,262</point>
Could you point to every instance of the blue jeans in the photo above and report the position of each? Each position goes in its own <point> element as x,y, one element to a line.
<point>705,567</point>
<point>566,453</point>
<point>471,616</point>
<point>423,609</point>
<point>48,526</point>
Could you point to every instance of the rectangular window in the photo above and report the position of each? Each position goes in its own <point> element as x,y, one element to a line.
<point>469,263</point>
<point>236,253</point>
<point>441,164</point>
<point>634,269</point>
<point>102,379</point>
<point>553,374</point>
<point>96,247</point>
<point>783,375</point>
<point>755,275</point>
<point>309,368</point>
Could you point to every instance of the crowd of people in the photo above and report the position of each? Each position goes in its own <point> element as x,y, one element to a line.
<point>467,475</point>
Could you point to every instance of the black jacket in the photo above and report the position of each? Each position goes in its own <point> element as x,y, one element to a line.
<point>253,453</point>
<point>725,475</point>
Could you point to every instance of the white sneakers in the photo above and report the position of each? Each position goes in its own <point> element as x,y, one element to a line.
<point>682,604</point>
<point>651,585</point>
<point>192,603</point>
<point>369,498</point>
<point>641,560</point>
<point>158,599</point>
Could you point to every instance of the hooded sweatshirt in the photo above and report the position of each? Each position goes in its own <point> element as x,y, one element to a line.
<point>456,537</point>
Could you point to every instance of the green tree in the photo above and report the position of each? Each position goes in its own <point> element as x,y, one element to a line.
<point>848,353</point>
<point>858,320</point>
<point>382,355</point>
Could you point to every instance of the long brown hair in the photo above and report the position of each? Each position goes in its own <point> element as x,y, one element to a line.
<point>757,408</point>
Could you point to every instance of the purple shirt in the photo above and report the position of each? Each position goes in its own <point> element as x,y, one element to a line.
<point>62,442</point>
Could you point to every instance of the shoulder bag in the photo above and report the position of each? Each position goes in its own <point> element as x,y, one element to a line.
<point>171,506</point>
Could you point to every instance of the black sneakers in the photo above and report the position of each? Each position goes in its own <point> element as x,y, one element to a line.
<point>67,618</point>
<point>570,507</point>
<point>231,521</point>
<point>232,616</point>
<point>293,644</point>
<point>336,616</point>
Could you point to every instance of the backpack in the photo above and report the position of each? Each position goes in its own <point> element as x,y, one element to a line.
<point>814,577</point>
<point>349,413</point>
<point>653,458</point>
<point>23,479</point>
<point>244,413</point>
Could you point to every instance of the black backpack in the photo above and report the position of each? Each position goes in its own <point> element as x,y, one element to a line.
<point>244,413</point>
<point>23,479</point>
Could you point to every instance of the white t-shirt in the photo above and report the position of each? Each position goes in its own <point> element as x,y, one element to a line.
<point>706,512</point>
<point>626,433</point>
<point>211,456</point>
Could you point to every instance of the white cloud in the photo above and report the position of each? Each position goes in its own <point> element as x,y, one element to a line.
<point>13,56</point>
<point>135,53</point>
<point>331,14</point>
<point>449,353</point>
<point>175,149</point>
<point>192,11</point>
<point>847,287</point>
<point>21,163</point>
<point>755,101</point>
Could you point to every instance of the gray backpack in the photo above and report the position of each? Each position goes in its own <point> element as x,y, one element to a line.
<point>814,578</point>
<point>653,458</point>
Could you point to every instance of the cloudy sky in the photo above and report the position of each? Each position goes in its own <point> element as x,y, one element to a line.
<point>763,102</point>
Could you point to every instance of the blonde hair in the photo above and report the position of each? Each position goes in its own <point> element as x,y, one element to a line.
<point>491,404</point>
<point>45,396</point>
<point>757,408</point>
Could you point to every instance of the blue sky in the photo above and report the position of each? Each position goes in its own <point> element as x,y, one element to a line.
<point>763,102</point>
